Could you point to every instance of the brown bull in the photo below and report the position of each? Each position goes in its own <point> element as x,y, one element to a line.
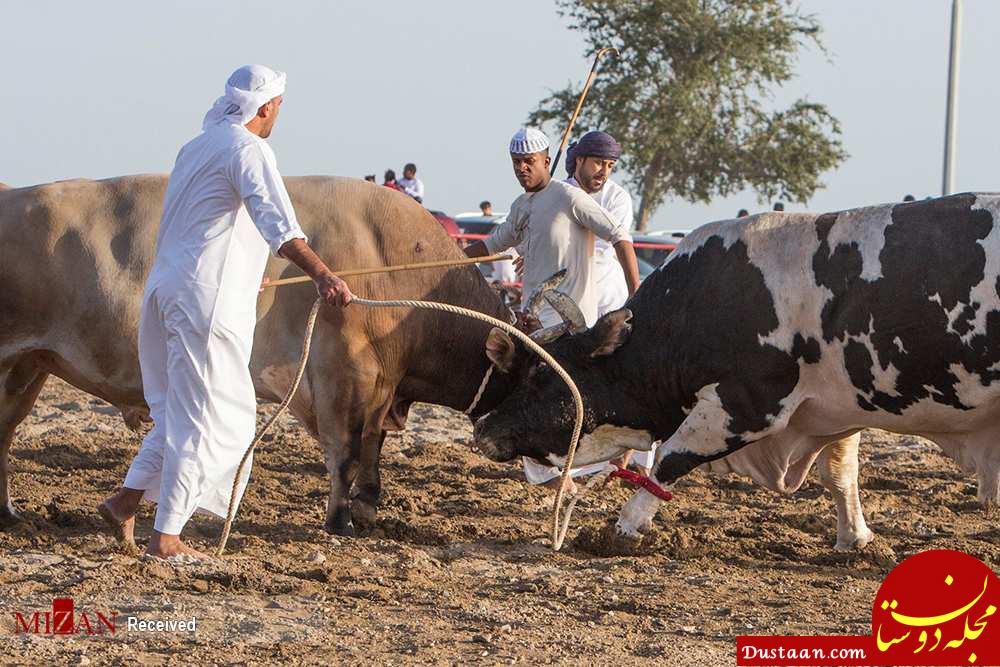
<point>74,256</point>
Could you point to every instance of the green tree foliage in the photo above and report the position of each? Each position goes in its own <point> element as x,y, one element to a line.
<point>688,98</point>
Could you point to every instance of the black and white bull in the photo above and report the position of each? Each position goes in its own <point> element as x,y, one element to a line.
<point>764,344</point>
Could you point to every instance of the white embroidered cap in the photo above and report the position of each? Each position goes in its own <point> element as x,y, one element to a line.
<point>528,140</point>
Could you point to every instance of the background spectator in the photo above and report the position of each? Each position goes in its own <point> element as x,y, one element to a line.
<point>486,207</point>
<point>909,198</point>
<point>779,206</point>
<point>410,184</point>
<point>389,180</point>
<point>370,178</point>
<point>742,213</point>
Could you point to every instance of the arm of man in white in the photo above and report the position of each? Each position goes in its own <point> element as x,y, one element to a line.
<point>266,200</point>
<point>591,215</point>
<point>505,236</point>
<point>626,257</point>
<point>263,193</point>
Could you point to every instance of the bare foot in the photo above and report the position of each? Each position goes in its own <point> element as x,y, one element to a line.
<point>170,546</point>
<point>553,485</point>
<point>623,460</point>
<point>118,513</point>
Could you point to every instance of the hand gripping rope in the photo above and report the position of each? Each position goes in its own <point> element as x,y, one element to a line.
<point>558,531</point>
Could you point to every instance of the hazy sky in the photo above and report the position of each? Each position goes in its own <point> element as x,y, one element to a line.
<point>108,88</point>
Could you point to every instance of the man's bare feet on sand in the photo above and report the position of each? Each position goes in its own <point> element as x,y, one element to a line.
<point>553,485</point>
<point>166,546</point>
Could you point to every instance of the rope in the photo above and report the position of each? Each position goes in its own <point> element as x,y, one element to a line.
<point>609,472</point>
<point>479,394</point>
<point>557,536</point>
<point>306,344</point>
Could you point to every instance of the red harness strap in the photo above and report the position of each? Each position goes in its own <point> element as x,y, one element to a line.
<point>645,482</point>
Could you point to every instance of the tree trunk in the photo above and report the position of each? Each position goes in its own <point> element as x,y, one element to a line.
<point>642,216</point>
<point>647,198</point>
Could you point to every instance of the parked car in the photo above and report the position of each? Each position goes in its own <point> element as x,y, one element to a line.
<point>645,268</point>
<point>448,223</point>
<point>475,226</point>
<point>653,248</point>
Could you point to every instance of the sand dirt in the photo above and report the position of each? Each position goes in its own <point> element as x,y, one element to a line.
<point>459,569</point>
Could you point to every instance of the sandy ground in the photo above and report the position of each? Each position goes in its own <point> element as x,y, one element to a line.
<point>459,570</point>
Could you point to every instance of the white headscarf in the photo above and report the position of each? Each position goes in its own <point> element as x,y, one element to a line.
<point>247,90</point>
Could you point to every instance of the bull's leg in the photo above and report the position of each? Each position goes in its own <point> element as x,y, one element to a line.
<point>342,453</point>
<point>838,472</point>
<point>364,505</point>
<point>702,437</point>
<point>982,452</point>
<point>976,452</point>
<point>18,392</point>
<point>344,411</point>
<point>988,475</point>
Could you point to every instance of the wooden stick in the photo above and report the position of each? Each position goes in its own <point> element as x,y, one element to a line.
<point>391,269</point>
<point>579,105</point>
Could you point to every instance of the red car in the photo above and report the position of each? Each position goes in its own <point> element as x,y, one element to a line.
<point>448,223</point>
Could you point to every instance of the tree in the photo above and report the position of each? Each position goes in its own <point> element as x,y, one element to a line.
<point>687,98</point>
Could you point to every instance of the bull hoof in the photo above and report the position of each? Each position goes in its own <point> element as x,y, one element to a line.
<point>855,542</point>
<point>341,531</point>
<point>628,533</point>
<point>340,523</point>
<point>363,516</point>
<point>608,541</point>
<point>8,517</point>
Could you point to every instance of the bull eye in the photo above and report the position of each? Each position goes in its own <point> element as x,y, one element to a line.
<point>536,368</point>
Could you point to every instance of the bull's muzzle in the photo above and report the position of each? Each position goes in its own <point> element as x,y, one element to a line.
<point>499,449</point>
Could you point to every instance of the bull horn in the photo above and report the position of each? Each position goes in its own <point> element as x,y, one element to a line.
<point>568,310</point>
<point>552,282</point>
<point>549,334</point>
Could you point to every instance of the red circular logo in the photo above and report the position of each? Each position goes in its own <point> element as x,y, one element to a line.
<point>938,607</point>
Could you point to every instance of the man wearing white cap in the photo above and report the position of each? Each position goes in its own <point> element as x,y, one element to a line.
<point>554,224</point>
<point>225,207</point>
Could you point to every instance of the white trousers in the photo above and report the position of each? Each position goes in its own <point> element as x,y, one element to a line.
<point>194,354</point>
<point>536,473</point>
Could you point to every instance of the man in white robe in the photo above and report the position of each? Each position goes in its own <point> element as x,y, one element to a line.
<point>589,164</point>
<point>225,208</point>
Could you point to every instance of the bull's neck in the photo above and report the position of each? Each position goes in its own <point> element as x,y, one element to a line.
<point>448,362</point>
<point>451,376</point>
<point>643,385</point>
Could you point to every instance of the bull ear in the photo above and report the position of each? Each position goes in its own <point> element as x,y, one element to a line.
<point>500,350</point>
<point>610,332</point>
